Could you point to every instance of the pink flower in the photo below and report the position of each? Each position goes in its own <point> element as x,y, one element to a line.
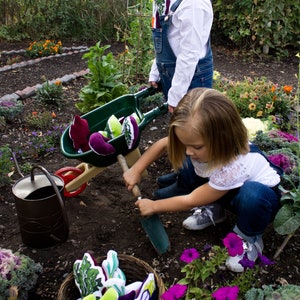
<point>175,292</point>
<point>189,255</point>
<point>234,244</point>
<point>226,293</point>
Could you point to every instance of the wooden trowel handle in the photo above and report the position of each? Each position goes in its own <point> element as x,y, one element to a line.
<point>122,161</point>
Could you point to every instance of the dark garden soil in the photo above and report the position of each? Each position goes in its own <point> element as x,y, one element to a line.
<point>102,216</point>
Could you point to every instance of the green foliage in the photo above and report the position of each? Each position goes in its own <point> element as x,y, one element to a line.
<point>44,142</point>
<point>50,93</point>
<point>103,79</point>
<point>43,48</point>
<point>80,20</point>
<point>288,291</point>
<point>6,165</point>
<point>39,120</point>
<point>137,58</point>
<point>258,24</point>
<point>9,109</point>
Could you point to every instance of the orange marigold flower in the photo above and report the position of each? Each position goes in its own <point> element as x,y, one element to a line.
<point>287,89</point>
<point>252,106</point>
<point>273,88</point>
<point>34,113</point>
<point>53,115</point>
<point>57,82</point>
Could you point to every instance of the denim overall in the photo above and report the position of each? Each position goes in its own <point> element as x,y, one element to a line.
<point>166,59</point>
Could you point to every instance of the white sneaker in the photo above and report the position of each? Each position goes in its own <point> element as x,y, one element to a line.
<point>205,216</point>
<point>251,250</point>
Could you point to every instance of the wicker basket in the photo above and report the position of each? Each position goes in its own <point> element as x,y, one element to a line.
<point>134,269</point>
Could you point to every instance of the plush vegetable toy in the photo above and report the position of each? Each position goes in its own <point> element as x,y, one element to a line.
<point>128,126</point>
<point>83,140</point>
<point>108,282</point>
<point>79,133</point>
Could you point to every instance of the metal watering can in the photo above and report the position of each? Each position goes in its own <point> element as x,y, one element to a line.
<point>40,208</point>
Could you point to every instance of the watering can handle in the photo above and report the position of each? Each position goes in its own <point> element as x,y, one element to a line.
<point>60,200</point>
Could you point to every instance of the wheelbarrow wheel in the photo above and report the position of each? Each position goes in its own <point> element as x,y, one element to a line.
<point>67,174</point>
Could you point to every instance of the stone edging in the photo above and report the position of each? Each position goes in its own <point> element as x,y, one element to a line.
<point>31,91</point>
<point>37,60</point>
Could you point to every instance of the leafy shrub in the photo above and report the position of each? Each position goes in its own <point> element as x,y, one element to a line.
<point>247,24</point>
<point>50,94</point>
<point>103,79</point>
<point>43,48</point>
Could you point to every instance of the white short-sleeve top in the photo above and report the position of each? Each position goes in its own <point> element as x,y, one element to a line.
<point>250,167</point>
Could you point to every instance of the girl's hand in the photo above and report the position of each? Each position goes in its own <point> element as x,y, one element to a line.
<point>145,206</point>
<point>131,178</point>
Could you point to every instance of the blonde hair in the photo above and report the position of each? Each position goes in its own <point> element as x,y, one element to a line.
<point>216,120</point>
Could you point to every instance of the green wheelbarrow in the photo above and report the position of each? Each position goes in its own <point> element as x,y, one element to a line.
<point>76,178</point>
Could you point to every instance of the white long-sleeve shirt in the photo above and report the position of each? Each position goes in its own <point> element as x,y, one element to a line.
<point>188,36</point>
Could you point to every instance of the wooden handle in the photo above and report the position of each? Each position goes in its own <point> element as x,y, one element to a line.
<point>122,161</point>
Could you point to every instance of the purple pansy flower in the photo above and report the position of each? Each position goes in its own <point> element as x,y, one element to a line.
<point>175,292</point>
<point>247,263</point>
<point>226,293</point>
<point>265,261</point>
<point>188,255</point>
<point>234,244</point>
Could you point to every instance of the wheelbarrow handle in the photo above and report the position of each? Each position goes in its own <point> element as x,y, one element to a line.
<point>122,161</point>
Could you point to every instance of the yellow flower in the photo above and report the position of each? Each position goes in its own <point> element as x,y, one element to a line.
<point>259,113</point>
<point>252,106</point>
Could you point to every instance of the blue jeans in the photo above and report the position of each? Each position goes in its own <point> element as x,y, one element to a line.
<point>254,203</point>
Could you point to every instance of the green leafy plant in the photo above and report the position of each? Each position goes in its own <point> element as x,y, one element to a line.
<point>19,271</point>
<point>9,109</point>
<point>103,79</point>
<point>246,24</point>
<point>50,93</point>
<point>203,273</point>
<point>43,48</point>
<point>6,165</point>
<point>138,56</point>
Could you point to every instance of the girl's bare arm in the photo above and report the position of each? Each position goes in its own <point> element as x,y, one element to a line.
<point>203,195</point>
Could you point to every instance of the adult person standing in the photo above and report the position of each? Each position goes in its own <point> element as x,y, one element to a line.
<point>183,56</point>
<point>181,35</point>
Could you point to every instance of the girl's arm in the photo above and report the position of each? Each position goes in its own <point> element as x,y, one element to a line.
<point>134,174</point>
<point>203,195</point>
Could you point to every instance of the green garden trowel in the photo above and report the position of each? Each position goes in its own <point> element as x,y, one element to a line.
<point>152,225</point>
